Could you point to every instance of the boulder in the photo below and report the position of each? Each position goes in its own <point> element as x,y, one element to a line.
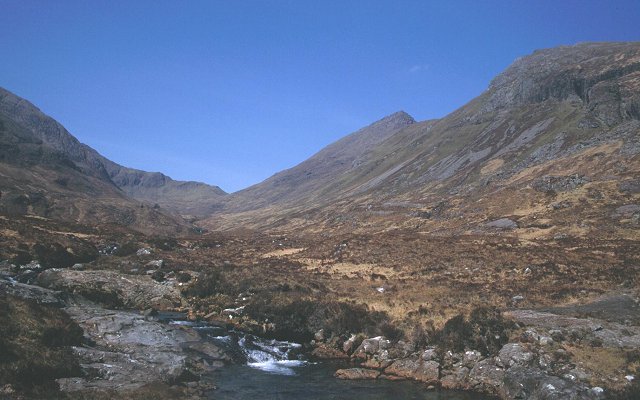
<point>486,376</point>
<point>415,368</point>
<point>502,223</point>
<point>371,346</point>
<point>513,354</point>
<point>456,378</point>
<point>532,383</point>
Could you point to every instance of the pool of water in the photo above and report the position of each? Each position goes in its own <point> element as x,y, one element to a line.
<point>316,382</point>
<point>269,369</point>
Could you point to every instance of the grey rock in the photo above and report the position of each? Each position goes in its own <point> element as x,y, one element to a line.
<point>502,223</point>
<point>610,334</point>
<point>129,351</point>
<point>429,354</point>
<point>531,383</point>
<point>513,354</point>
<point>486,376</point>
<point>113,289</point>
<point>33,293</point>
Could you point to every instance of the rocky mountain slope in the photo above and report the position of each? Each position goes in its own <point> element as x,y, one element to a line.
<point>550,149</point>
<point>318,180</point>
<point>190,198</point>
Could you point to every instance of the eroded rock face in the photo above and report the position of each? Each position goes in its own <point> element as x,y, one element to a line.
<point>31,292</point>
<point>130,351</point>
<point>113,289</point>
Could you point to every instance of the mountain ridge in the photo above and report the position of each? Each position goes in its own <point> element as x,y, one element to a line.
<point>186,198</point>
<point>582,97</point>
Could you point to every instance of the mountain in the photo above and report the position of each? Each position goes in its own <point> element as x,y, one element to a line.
<point>550,149</point>
<point>186,198</point>
<point>316,181</point>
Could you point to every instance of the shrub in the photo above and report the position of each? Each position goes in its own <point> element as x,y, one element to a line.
<point>298,319</point>
<point>206,285</point>
<point>485,330</point>
<point>126,249</point>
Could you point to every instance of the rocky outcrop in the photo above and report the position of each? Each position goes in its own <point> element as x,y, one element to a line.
<point>33,293</point>
<point>113,289</point>
<point>129,351</point>
<point>526,370</point>
<point>608,334</point>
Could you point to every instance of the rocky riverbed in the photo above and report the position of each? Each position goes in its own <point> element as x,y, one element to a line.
<point>124,353</point>
<point>127,353</point>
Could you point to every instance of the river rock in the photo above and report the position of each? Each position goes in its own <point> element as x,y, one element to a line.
<point>455,378</point>
<point>415,368</point>
<point>129,351</point>
<point>357,373</point>
<point>532,383</point>
<point>351,344</point>
<point>513,354</point>
<point>486,376</point>
<point>113,289</point>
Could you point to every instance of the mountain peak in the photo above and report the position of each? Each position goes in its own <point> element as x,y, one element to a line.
<point>398,117</point>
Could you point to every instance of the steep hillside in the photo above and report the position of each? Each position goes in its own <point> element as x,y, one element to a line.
<point>47,173</point>
<point>552,145</point>
<point>187,198</point>
<point>317,181</point>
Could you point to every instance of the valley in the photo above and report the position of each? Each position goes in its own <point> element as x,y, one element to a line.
<point>495,250</point>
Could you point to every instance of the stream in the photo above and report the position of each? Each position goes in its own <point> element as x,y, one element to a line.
<point>269,369</point>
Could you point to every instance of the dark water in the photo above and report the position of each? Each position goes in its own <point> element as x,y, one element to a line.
<point>269,370</point>
<point>316,382</point>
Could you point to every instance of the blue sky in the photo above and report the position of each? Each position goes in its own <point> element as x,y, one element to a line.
<point>230,92</point>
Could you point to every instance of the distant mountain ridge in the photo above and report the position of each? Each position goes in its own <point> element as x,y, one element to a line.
<point>550,149</point>
<point>185,198</point>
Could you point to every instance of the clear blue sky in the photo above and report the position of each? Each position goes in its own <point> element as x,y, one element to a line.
<point>230,92</point>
